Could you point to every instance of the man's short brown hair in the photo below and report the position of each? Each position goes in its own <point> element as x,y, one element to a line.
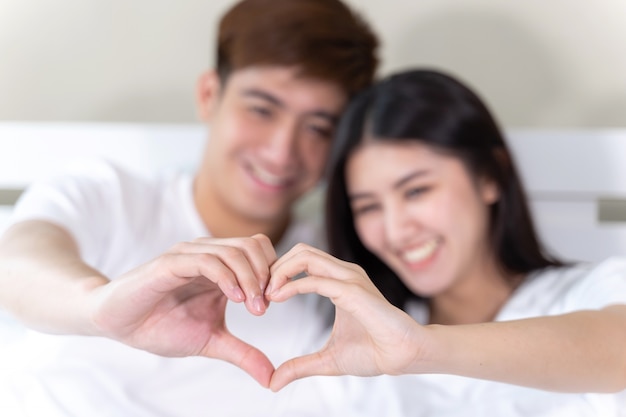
<point>322,38</point>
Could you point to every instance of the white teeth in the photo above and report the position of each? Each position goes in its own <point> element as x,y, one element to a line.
<point>268,178</point>
<point>420,253</point>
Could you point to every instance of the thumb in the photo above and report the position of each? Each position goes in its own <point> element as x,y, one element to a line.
<point>244,356</point>
<point>308,365</point>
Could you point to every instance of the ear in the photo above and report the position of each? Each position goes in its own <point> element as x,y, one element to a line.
<point>489,191</point>
<point>207,94</point>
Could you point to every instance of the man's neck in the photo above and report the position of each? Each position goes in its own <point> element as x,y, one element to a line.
<point>221,222</point>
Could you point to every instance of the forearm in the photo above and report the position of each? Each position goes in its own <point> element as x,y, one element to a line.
<point>578,352</point>
<point>43,281</point>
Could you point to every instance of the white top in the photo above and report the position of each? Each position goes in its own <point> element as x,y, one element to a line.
<point>550,292</point>
<point>120,220</point>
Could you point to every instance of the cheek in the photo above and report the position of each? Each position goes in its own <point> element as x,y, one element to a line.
<point>223,137</point>
<point>465,219</point>
<point>314,154</point>
<point>446,213</point>
<point>370,233</point>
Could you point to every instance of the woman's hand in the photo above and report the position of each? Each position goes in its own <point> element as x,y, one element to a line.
<point>370,336</point>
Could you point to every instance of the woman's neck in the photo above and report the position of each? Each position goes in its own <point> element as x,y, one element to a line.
<point>477,299</point>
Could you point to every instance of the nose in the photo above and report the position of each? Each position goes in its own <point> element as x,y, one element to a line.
<point>399,225</point>
<point>280,149</point>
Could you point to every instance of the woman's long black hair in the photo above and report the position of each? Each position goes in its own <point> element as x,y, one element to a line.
<point>437,110</point>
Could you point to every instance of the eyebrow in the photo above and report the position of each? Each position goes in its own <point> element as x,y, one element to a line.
<point>264,95</point>
<point>399,183</point>
<point>416,174</point>
<point>254,92</point>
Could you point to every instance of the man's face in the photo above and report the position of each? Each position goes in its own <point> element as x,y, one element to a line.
<point>270,131</point>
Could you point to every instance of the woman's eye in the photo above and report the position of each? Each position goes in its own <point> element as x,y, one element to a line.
<point>321,131</point>
<point>360,210</point>
<point>416,192</point>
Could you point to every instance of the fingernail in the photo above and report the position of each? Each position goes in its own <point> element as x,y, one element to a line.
<point>238,294</point>
<point>268,290</point>
<point>258,304</point>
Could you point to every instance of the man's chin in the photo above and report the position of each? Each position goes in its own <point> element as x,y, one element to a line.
<point>260,211</point>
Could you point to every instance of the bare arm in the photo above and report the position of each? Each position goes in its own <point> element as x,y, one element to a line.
<point>173,305</point>
<point>583,351</point>
<point>44,282</point>
<point>578,352</point>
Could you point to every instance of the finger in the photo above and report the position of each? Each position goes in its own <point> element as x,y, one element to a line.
<point>240,276</point>
<point>149,283</point>
<point>267,247</point>
<point>233,350</point>
<point>261,254</point>
<point>360,301</point>
<point>231,264</point>
<point>295,251</point>
<point>176,269</point>
<point>327,287</point>
<point>187,266</point>
<point>249,259</point>
<point>291,264</point>
<point>304,366</point>
<point>259,248</point>
<point>311,261</point>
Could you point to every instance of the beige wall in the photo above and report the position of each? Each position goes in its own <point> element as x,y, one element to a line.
<point>539,63</point>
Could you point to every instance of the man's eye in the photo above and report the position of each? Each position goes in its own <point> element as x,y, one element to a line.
<point>261,111</point>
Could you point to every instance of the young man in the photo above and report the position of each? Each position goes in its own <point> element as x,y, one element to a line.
<point>124,276</point>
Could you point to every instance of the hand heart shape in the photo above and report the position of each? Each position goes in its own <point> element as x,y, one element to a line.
<point>175,306</point>
<point>369,337</point>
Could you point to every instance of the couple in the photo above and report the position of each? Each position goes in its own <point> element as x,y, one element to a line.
<point>424,210</point>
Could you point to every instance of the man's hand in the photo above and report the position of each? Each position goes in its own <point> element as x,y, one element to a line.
<point>174,305</point>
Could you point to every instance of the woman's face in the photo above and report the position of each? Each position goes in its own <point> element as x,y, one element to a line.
<point>421,213</point>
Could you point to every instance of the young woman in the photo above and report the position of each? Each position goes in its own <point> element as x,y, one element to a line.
<point>437,268</point>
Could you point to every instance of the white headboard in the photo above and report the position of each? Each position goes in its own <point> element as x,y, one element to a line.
<point>29,151</point>
<point>576,179</point>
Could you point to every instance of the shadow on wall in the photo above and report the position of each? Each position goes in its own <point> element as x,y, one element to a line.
<point>515,71</point>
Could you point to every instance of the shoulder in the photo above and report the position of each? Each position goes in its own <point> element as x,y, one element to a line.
<point>583,276</point>
<point>104,173</point>
<point>123,191</point>
<point>599,284</point>
<point>81,185</point>
<point>88,173</point>
<point>559,290</point>
<point>93,189</point>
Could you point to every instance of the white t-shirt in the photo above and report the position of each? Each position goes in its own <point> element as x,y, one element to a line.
<point>132,219</point>
<point>549,292</point>
<point>121,220</point>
